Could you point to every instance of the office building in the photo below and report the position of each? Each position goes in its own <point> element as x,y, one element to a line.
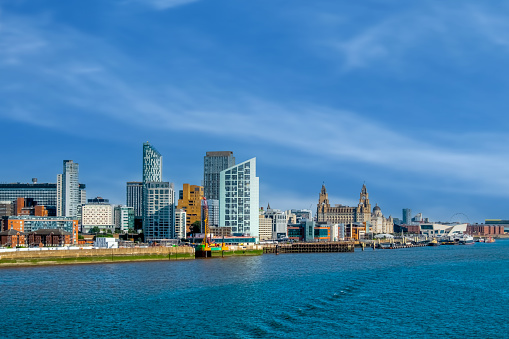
<point>158,211</point>
<point>190,198</point>
<point>98,212</point>
<point>124,218</point>
<point>340,214</point>
<point>407,216</point>
<point>152,164</point>
<point>213,164</point>
<point>279,222</point>
<point>43,193</point>
<point>239,199</point>
<point>134,197</point>
<point>265,227</point>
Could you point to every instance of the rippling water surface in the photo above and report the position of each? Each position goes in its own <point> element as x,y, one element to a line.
<point>446,291</point>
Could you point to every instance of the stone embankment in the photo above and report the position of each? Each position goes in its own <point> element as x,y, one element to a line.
<point>24,257</point>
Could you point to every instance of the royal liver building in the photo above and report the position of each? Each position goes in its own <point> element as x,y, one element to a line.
<point>340,214</point>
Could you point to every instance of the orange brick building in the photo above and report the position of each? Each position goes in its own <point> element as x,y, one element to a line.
<point>190,198</point>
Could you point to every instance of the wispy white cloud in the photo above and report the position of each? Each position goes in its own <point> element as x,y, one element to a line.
<point>104,85</point>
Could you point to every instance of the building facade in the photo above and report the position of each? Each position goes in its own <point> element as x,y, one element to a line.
<point>71,197</point>
<point>152,164</point>
<point>97,212</point>
<point>340,214</point>
<point>213,212</point>
<point>239,198</point>
<point>379,224</point>
<point>28,224</point>
<point>407,216</point>
<point>190,198</point>
<point>134,197</point>
<point>158,211</point>
<point>213,164</point>
<point>124,218</point>
<point>180,224</point>
<point>265,227</point>
<point>279,222</point>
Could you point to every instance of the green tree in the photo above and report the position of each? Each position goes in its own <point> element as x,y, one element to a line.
<point>196,227</point>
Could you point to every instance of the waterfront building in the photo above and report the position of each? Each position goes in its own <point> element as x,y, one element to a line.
<point>103,242</point>
<point>50,237</point>
<point>504,223</point>
<point>180,224</point>
<point>71,197</point>
<point>213,164</point>
<point>407,216</point>
<point>340,214</point>
<point>59,193</point>
<point>124,218</point>
<point>158,211</point>
<point>158,201</point>
<point>134,197</point>
<point>98,212</point>
<point>304,231</point>
<point>239,199</point>
<point>265,227</point>
<point>279,222</point>
<point>441,230</point>
<point>380,224</point>
<point>29,223</point>
<point>302,214</point>
<point>190,200</point>
<point>485,229</point>
<point>12,238</point>
<point>152,164</point>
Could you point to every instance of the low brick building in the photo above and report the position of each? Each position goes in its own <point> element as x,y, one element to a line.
<point>12,238</point>
<point>485,229</point>
<point>50,237</point>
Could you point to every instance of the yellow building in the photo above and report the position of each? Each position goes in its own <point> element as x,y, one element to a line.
<point>190,200</point>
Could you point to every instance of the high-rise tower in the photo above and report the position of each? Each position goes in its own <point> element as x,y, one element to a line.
<point>70,189</point>
<point>152,164</point>
<point>134,197</point>
<point>239,199</point>
<point>214,163</point>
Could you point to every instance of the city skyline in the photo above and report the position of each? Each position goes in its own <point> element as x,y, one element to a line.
<point>407,97</point>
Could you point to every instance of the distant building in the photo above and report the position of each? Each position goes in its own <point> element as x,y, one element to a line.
<point>124,218</point>
<point>213,212</point>
<point>158,210</point>
<point>158,198</point>
<point>97,213</point>
<point>239,199</point>
<point>71,196</point>
<point>340,214</point>
<point>180,224</point>
<point>12,238</point>
<point>279,222</point>
<point>50,238</point>
<point>407,216</point>
<point>265,227</point>
<point>213,164</point>
<point>440,230</point>
<point>6,208</point>
<point>134,197</point>
<point>152,164</point>
<point>379,224</point>
<point>190,200</point>
<point>28,224</point>
<point>504,223</point>
<point>103,242</point>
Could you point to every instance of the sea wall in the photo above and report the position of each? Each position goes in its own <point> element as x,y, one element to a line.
<point>93,255</point>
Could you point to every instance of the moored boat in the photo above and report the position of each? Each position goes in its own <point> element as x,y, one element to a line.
<point>490,239</point>
<point>433,242</point>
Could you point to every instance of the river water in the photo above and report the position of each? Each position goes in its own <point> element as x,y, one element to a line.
<point>446,291</point>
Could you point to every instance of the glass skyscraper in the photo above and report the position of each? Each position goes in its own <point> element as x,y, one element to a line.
<point>158,210</point>
<point>134,197</point>
<point>158,199</point>
<point>239,199</point>
<point>152,164</point>
<point>213,164</point>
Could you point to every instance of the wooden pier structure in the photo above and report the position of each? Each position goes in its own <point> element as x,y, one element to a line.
<point>310,247</point>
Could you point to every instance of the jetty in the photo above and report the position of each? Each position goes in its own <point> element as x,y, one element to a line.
<point>306,247</point>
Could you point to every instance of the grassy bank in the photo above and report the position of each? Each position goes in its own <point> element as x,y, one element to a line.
<point>236,253</point>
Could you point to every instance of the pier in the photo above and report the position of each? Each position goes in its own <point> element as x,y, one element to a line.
<point>316,247</point>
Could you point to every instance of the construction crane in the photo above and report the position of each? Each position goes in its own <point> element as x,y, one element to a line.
<point>206,246</point>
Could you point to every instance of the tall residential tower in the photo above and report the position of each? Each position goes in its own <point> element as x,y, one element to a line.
<point>214,163</point>
<point>239,199</point>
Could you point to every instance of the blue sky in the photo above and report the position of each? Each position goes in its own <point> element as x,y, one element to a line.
<point>409,97</point>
